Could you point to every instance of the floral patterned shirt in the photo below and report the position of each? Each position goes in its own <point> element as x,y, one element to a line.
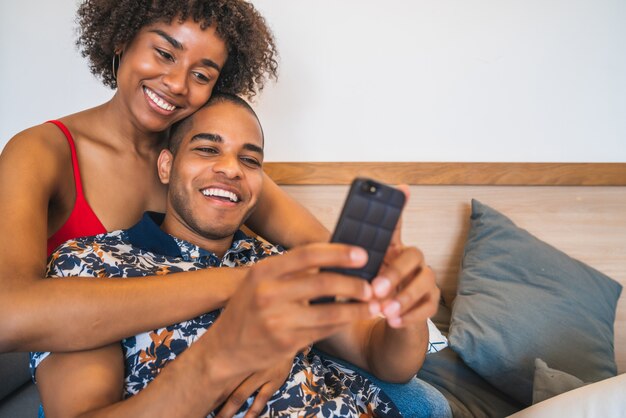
<point>316,386</point>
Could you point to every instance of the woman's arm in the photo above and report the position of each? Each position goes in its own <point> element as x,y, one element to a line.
<point>282,220</point>
<point>74,313</point>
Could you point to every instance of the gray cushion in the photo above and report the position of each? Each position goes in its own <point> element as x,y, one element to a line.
<point>469,395</point>
<point>23,403</point>
<point>13,372</point>
<point>520,299</point>
<point>550,382</point>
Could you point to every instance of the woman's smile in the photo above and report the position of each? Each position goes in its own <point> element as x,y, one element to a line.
<point>160,104</point>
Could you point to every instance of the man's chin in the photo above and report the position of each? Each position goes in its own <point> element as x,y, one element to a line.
<point>219,225</point>
<point>219,233</point>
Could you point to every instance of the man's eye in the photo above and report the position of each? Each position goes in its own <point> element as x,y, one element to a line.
<point>207,150</point>
<point>165,54</point>
<point>251,161</point>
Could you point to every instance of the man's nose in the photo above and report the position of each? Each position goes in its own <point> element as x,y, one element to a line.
<point>228,165</point>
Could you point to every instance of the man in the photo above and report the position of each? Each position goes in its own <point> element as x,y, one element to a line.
<point>214,172</point>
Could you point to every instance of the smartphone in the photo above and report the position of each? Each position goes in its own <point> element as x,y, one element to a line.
<point>368,218</point>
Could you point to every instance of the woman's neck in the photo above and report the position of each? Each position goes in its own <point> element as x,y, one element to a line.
<point>122,132</point>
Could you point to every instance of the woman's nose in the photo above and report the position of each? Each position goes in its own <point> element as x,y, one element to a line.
<point>176,80</point>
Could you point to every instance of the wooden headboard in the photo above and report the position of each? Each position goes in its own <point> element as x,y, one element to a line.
<point>578,208</point>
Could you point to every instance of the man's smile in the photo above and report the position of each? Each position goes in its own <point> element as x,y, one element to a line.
<point>222,194</point>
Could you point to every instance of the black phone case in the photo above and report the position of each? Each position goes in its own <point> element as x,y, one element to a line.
<point>368,219</point>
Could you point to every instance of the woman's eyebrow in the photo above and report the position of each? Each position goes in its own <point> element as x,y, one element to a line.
<point>168,38</point>
<point>205,61</point>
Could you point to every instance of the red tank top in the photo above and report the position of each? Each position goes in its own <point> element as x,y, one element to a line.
<point>82,221</point>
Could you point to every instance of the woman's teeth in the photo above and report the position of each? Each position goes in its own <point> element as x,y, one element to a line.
<point>158,101</point>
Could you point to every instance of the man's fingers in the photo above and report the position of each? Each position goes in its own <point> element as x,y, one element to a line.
<point>312,286</point>
<point>425,308</point>
<point>311,256</point>
<point>337,314</point>
<point>416,289</point>
<point>307,318</point>
<point>392,276</point>
<point>306,287</point>
<point>396,238</point>
<point>404,188</point>
<point>239,396</point>
<point>262,397</point>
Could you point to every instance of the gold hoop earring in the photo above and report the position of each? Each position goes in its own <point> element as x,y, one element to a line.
<point>114,66</point>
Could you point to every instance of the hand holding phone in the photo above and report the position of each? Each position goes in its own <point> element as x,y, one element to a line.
<point>368,219</point>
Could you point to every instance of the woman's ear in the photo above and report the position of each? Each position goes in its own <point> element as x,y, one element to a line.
<point>164,165</point>
<point>119,49</point>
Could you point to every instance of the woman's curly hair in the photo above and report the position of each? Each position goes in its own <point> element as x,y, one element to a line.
<point>105,25</point>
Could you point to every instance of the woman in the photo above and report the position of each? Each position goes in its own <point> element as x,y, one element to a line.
<point>96,171</point>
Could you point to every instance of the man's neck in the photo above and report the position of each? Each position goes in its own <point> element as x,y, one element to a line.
<point>181,231</point>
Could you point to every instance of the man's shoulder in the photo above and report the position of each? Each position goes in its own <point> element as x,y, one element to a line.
<point>264,247</point>
<point>76,254</point>
<point>90,244</point>
<point>251,249</point>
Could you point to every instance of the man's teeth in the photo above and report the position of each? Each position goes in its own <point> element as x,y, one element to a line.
<point>221,193</point>
<point>158,101</point>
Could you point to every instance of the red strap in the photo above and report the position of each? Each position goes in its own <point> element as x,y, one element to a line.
<point>70,140</point>
<point>82,220</point>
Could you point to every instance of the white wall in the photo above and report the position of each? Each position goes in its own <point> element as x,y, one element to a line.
<point>42,75</point>
<point>401,80</point>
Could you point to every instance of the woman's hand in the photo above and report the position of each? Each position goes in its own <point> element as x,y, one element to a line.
<point>267,382</point>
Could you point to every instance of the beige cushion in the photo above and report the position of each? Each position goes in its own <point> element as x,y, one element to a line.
<point>606,399</point>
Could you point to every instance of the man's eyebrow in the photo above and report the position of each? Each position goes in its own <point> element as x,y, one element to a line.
<point>205,61</point>
<point>253,148</point>
<point>217,138</point>
<point>168,38</point>
<point>208,137</point>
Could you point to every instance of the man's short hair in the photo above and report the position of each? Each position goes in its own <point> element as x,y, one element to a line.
<point>180,128</point>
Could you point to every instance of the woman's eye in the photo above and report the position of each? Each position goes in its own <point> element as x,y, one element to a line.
<point>165,54</point>
<point>201,77</point>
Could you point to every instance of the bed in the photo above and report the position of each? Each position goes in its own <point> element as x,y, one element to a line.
<point>529,218</point>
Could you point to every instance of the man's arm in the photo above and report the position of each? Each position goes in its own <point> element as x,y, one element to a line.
<point>71,384</point>
<point>392,348</point>
<point>409,294</point>
<point>267,321</point>
<point>91,383</point>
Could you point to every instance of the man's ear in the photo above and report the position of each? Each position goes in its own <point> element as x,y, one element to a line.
<point>164,165</point>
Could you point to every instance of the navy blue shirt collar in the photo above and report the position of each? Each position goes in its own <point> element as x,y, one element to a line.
<point>148,235</point>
